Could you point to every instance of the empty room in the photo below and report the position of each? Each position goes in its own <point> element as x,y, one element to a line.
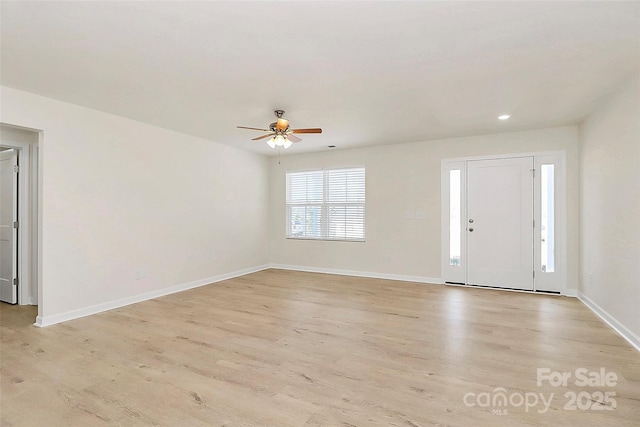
<point>319,213</point>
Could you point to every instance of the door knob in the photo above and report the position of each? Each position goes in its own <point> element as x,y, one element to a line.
<point>471,229</point>
<point>471,221</point>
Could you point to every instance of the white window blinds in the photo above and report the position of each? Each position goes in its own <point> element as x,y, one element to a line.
<point>326,204</point>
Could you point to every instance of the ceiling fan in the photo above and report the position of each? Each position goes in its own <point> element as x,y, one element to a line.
<point>281,135</point>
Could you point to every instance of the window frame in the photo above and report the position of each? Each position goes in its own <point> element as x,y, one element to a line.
<point>325,205</point>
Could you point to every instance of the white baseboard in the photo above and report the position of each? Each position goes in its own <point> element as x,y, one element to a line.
<point>373,275</point>
<point>622,330</point>
<point>570,292</point>
<point>43,321</point>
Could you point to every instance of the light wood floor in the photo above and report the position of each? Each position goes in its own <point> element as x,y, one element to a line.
<point>280,348</point>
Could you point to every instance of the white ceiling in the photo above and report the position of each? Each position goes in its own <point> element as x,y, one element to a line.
<point>368,73</point>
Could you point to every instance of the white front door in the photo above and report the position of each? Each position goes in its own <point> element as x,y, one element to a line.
<point>8,234</point>
<point>499,225</point>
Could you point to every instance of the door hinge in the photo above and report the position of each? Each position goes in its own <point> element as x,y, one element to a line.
<point>534,223</point>
<point>16,168</point>
<point>534,274</point>
<point>16,224</point>
<point>16,281</point>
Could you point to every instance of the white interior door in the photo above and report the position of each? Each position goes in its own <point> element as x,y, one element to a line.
<point>8,234</point>
<point>500,223</point>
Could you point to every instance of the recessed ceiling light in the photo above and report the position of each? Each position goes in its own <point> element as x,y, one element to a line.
<point>504,116</point>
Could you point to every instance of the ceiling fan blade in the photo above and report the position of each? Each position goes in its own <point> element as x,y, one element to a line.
<point>262,137</point>
<point>293,138</point>
<point>244,127</point>
<point>310,130</point>
<point>282,124</point>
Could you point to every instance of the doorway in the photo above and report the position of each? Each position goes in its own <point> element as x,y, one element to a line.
<point>8,225</point>
<point>19,215</point>
<point>504,222</point>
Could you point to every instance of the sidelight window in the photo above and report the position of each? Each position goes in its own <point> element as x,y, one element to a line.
<point>547,217</point>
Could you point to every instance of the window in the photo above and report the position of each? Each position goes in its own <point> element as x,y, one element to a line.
<point>547,216</point>
<point>454,217</point>
<point>326,204</point>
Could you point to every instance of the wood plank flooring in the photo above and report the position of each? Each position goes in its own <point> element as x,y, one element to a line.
<point>283,348</point>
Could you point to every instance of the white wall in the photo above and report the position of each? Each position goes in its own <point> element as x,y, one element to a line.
<point>120,197</point>
<point>610,210</point>
<point>407,177</point>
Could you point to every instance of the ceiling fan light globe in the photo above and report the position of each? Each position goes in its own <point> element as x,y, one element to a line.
<point>280,141</point>
<point>271,142</point>
<point>287,143</point>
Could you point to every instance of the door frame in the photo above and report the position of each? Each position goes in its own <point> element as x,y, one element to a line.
<point>554,282</point>
<point>28,215</point>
